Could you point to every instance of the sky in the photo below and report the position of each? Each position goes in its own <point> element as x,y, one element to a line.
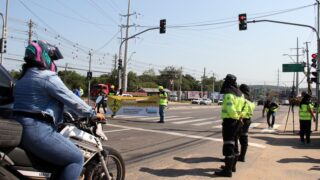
<point>200,35</point>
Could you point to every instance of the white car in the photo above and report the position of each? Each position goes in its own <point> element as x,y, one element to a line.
<point>205,101</point>
<point>127,95</point>
<point>196,101</point>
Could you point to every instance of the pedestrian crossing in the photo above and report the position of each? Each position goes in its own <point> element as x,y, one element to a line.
<point>213,122</point>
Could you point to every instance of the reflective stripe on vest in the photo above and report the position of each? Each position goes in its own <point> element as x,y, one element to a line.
<point>304,114</point>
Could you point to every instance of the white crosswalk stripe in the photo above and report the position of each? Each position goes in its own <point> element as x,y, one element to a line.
<point>253,125</point>
<point>156,118</point>
<point>176,119</point>
<point>191,121</point>
<point>208,122</point>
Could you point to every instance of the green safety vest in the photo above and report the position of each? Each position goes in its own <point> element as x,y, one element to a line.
<point>248,109</point>
<point>163,101</point>
<point>304,114</point>
<point>232,106</point>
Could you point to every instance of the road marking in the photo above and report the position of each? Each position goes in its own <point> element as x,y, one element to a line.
<point>190,121</point>
<point>181,135</point>
<point>217,127</point>
<point>117,130</point>
<point>253,125</point>
<point>206,123</point>
<point>275,127</point>
<point>155,118</point>
<point>176,119</point>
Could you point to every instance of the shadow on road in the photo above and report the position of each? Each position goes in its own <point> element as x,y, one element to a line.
<point>290,141</point>
<point>180,172</point>
<point>304,159</point>
<point>197,159</point>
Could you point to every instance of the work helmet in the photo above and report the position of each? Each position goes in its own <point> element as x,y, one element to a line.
<point>112,86</point>
<point>160,87</point>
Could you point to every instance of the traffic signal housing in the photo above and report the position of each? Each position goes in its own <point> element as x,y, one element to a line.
<point>89,75</point>
<point>314,60</point>
<point>3,45</point>
<point>162,26</point>
<point>120,64</point>
<point>242,22</point>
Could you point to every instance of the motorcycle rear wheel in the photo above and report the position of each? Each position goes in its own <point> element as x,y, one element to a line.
<point>114,163</point>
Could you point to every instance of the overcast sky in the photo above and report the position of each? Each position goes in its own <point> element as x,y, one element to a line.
<point>200,34</point>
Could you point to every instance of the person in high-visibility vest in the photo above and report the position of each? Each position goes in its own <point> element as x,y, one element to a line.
<point>246,121</point>
<point>232,106</point>
<point>272,109</point>
<point>163,102</point>
<point>305,117</point>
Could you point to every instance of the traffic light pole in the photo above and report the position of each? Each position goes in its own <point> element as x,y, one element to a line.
<point>318,57</point>
<point>124,69</point>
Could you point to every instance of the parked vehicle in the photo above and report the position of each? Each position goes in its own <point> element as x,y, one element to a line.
<point>101,161</point>
<point>196,101</point>
<point>205,102</point>
<point>127,95</point>
<point>220,101</point>
<point>173,97</point>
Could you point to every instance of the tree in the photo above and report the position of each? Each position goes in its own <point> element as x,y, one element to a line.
<point>168,76</point>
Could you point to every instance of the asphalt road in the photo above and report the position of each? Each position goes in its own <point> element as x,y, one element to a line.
<point>187,146</point>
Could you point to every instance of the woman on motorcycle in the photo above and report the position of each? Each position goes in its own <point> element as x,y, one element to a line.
<point>40,97</point>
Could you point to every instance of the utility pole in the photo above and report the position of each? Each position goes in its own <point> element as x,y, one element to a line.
<point>125,79</point>
<point>30,31</point>
<point>213,82</point>
<point>180,83</point>
<point>119,70</point>
<point>4,28</point>
<point>278,81</point>
<point>308,69</point>
<point>318,68</point>
<point>89,79</point>
<point>297,61</point>
<point>115,62</point>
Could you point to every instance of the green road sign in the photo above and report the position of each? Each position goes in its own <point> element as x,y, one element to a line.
<point>292,67</point>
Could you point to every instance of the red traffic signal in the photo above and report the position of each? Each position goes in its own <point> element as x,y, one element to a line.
<point>242,22</point>
<point>162,26</point>
<point>314,60</point>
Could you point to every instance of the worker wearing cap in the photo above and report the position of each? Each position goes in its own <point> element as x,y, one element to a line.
<point>163,102</point>
<point>231,111</point>
<point>305,117</point>
<point>112,91</point>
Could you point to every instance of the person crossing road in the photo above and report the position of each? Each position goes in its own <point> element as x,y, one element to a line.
<point>305,117</point>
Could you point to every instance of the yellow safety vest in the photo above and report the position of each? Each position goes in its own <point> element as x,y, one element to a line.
<point>304,113</point>
<point>232,106</point>
<point>163,101</point>
<point>248,110</point>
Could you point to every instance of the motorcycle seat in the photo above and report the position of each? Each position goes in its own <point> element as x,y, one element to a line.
<point>10,133</point>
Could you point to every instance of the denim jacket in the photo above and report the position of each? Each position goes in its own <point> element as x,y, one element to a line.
<point>42,91</point>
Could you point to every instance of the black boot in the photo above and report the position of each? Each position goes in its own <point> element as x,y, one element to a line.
<point>243,152</point>
<point>226,171</point>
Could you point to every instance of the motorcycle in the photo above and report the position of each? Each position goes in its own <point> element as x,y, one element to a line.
<point>100,162</point>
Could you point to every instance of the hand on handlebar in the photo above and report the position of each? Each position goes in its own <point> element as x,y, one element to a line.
<point>100,118</point>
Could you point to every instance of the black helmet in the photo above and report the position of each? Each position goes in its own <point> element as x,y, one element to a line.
<point>244,88</point>
<point>230,78</point>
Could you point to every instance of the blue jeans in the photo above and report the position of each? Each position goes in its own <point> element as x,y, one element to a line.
<point>161,112</point>
<point>42,140</point>
<point>273,115</point>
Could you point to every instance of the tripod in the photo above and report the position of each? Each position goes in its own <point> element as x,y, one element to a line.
<point>291,108</point>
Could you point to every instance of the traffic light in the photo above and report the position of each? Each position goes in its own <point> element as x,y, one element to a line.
<point>242,22</point>
<point>314,60</point>
<point>120,64</point>
<point>162,26</point>
<point>89,75</point>
<point>3,45</point>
